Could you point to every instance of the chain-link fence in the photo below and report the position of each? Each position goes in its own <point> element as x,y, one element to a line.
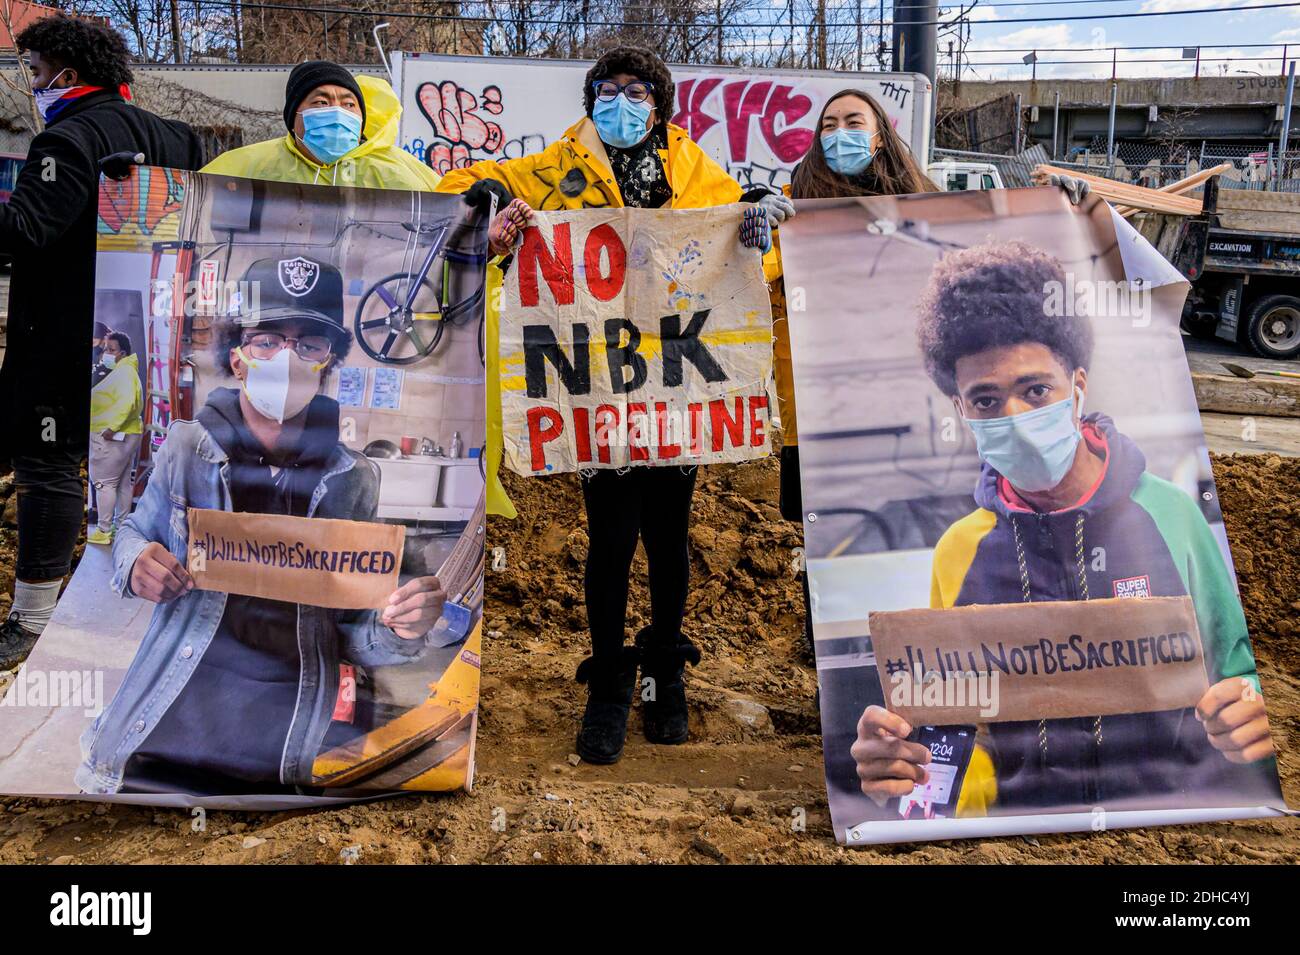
<point>1153,165</point>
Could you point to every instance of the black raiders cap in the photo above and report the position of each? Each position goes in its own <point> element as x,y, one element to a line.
<point>293,287</point>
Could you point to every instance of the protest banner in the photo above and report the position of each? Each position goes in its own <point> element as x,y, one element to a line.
<point>346,565</point>
<point>634,337</point>
<point>1012,533</point>
<point>281,594</point>
<point>1049,660</point>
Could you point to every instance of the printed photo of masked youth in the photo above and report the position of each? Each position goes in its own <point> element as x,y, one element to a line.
<point>280,381</point>
<point>1021,430</point>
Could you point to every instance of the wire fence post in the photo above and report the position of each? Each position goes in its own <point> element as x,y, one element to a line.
<point>1110,129</point>
<point>1284,138</point>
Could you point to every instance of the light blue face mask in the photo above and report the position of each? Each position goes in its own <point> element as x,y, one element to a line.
<point>1034,449</point>
<point>330,132</point>
<point>848,151</point>
<point>620,122</point>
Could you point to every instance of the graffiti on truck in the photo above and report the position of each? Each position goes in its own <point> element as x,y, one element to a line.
<point>757,128</point>
<point>465,127</point>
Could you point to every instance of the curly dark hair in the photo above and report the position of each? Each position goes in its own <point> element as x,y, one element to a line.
<point>228,333</point>
<point>642,63</point>
<point>123,341</point>
<point>97,52</point>
<point>993,296</point>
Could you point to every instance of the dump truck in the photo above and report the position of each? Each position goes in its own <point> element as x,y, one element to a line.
<point>1242,256</point>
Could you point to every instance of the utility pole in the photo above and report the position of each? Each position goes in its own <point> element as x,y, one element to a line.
<point>1056,126</point>
<point>859,58</point>
<point>178,51</point>
<point>916,42</point>
<point>718,9</point>
<point>1284,140</point>
<point>1110,128</point>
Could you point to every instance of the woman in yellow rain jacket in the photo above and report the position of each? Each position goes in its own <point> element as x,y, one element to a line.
<point>624,152</point>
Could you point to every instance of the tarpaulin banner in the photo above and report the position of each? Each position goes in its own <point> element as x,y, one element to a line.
<point>1024,608</point>
<point>634,337</point>
<point>279,602</point>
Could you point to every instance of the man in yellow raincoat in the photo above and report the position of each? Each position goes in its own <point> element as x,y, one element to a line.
<point>624,152</point>
<point>116,410</point>
<point>342,131</point>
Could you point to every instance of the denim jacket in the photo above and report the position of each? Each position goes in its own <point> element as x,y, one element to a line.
<point>192,470</point>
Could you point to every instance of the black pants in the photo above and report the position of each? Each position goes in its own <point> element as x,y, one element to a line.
<point>51,505</point>
<point>791,504</point>
<point>655,505</point>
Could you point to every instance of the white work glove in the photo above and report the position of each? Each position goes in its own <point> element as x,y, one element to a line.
<point>1076,189</point>
<point>778,207</point>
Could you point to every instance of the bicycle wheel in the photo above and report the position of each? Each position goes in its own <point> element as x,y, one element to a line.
<point>390,331</point>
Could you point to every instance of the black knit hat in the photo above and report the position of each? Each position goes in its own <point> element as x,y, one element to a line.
<point>307,76</point>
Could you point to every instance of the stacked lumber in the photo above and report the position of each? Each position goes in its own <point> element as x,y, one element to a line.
<point>1125,193</point>
<point>1182,185</point>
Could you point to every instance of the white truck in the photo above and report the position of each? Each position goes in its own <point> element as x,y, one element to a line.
<point>457,110</point>
<point>958,176</point>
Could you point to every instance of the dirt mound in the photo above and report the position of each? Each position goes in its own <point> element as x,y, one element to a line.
<point>748,786</point>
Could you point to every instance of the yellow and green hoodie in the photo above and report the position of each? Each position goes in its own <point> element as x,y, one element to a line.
<point>1156,544</point>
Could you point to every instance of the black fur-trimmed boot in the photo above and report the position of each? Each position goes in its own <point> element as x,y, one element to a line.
<point>664,716</point>
<point>611,682</point>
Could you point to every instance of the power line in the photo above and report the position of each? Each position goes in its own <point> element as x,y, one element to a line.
<point>784,24</point>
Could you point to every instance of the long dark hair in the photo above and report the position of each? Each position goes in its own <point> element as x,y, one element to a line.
<point>893,170</point>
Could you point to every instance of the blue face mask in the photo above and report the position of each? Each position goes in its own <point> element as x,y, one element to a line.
<point>621,123</point>
<point>330,132</point>
<point>1033,450</point>
<point>848,151</point>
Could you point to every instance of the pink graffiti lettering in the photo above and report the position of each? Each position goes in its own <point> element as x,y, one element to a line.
<point>790,144</point>
<point>454,114</point>
<point>776,106</point>
<point>691,117</point>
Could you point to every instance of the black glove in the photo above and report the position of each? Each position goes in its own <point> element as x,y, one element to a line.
<point>480,195</point>
<point>755,193</point>
<point>119,165</point>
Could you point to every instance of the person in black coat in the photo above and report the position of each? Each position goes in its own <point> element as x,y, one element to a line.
<point>80,71</point>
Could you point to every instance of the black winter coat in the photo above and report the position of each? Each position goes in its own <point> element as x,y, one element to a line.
<point>48,227</point>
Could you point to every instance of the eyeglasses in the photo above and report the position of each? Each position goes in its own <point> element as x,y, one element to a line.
<point>267,345</point>
<point>636,91</point>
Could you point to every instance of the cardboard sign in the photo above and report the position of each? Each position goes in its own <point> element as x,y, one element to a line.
<point>1047,660</point>
<point>635,337</point>
<point>343,565</point>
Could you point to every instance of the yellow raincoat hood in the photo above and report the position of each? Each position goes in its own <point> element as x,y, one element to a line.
<point>378,163</point>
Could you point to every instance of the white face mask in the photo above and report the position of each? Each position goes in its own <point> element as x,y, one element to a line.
<point>108,360</point>
<point>47,97</point>
<point>280,387</point>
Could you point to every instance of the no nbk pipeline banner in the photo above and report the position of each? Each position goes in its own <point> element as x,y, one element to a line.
<point>634,337</point>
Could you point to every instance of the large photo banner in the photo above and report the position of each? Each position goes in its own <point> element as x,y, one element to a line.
<point>1025,613</point>
<point>757,124</point>
<point>634,337</point>
<point>280,598</point>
